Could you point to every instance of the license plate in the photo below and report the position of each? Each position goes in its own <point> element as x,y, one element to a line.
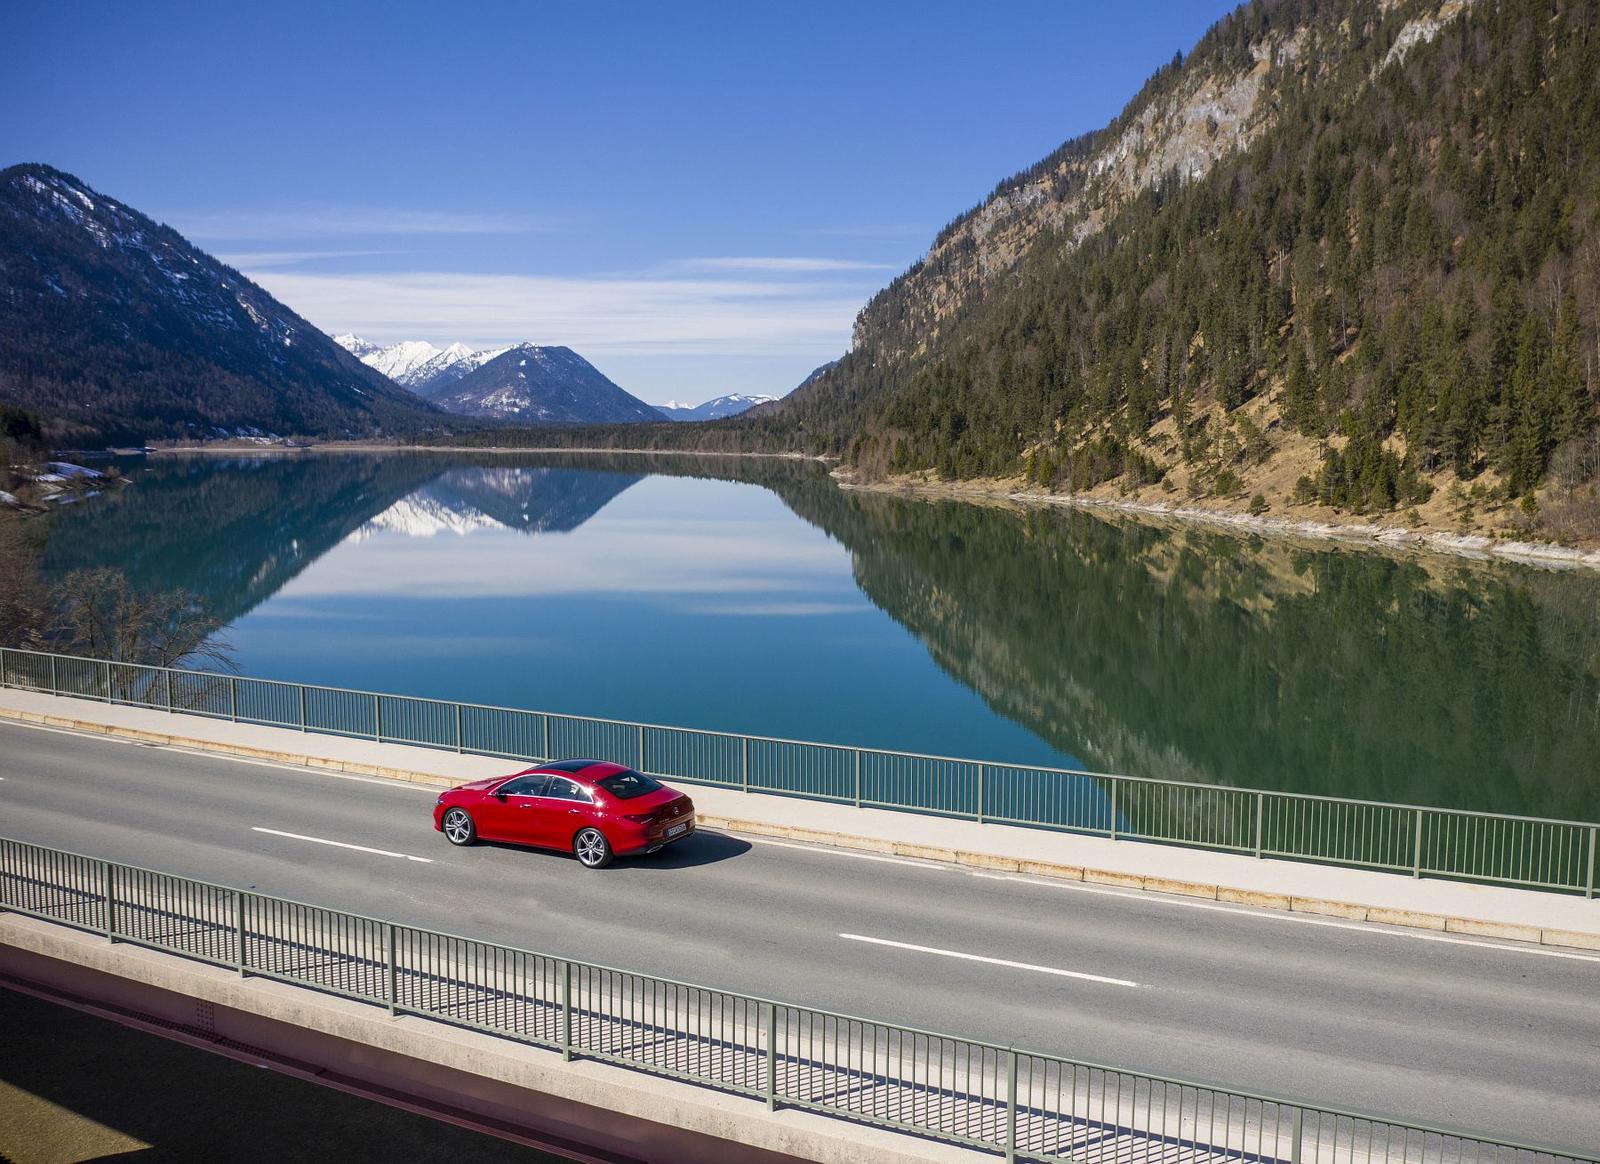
<point>676,829</point>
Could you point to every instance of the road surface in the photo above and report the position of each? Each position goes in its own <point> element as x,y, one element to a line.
<point>1494,1037</point>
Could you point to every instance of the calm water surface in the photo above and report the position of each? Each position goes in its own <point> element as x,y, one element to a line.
<point>756,596</point>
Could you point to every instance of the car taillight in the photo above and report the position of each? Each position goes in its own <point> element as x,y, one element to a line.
<point>638,817</point>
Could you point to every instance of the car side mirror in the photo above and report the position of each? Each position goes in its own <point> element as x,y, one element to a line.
<point>500,796</point>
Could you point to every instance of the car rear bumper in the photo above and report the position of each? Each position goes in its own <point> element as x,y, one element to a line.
<point>654,843</point>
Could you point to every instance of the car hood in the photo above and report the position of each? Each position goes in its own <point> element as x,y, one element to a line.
<point>479,785</point>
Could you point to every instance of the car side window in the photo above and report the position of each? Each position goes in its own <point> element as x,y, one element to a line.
<point>524,786</point>
<point>564,789</point>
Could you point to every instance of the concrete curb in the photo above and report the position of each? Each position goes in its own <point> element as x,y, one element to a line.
<point>1350,911</point>
<point>168,740</point>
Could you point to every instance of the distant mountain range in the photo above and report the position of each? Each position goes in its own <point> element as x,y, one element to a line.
<point>527,383</point>
<point>417,364</point>
<point>730,405</point>
<point>113,327</point>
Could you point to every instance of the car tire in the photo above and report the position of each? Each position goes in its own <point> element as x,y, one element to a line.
<point>592,849</point>
<point>458,827</point>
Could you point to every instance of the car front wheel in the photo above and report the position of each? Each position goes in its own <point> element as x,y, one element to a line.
<point>458,827</point>
<point>592,849</point>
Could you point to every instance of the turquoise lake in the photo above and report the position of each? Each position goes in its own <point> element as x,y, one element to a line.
<point>757,596</point>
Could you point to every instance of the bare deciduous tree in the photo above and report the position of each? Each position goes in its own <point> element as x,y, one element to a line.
<point>99,614</point>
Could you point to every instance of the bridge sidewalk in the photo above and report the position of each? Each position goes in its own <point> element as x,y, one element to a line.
<point>1360,895</point>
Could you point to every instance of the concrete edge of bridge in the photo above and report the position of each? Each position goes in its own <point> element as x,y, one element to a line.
<point>585,1110</point>
<point>1372,912</point>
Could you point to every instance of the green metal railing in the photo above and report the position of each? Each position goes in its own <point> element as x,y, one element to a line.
<point>1022,1104</point>
<point>1531,852</point>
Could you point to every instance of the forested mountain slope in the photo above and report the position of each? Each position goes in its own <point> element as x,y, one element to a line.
<point>114,327</point>
<point>1345,254</point>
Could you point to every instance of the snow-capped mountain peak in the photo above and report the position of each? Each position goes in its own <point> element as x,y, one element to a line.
<point>418,364</point>
<point>730,405</point>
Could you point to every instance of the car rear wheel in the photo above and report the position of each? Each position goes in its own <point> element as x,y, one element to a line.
<point>458,827</point>
<point>592,849</point>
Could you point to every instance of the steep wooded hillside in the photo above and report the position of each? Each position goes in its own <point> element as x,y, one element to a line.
<point>1345,254</point>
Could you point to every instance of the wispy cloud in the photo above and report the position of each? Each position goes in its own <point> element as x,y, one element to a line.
<point>260,260</point>
<point>332,221</point>
<point>777,264</point>
<point>635,315</point>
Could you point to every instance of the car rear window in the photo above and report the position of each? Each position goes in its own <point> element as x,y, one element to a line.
<point>627,785</point>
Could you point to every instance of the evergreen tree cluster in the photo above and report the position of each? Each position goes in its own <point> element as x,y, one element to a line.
<point>1408,260</point>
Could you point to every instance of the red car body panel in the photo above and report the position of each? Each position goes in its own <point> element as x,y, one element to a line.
<point>521,810</point>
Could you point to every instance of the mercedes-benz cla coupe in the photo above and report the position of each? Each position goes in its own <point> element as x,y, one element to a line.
<point>592,809</point>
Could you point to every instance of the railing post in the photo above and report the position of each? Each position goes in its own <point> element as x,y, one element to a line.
<point>238,934</point>
<point>1297,1135</point>
<point>1416,847</point>
<point>389,967</point>
<point>458,727</point>
<point>981,768</point>
<point>55,687</point>
<point>772,1056</point>
<point>546,752</point>
<point>107,890</point>
<point>744,763</point>
<point>106,678</point>
<point>1011,1105</point>
<point>1114,785</point>
<point>168,671</point>
<point>302,706</point>
<point>377,718</point>
<point>566,1012</point>
<point>1594,843</point>
<point>858,777</point>
<point>233,698</point>
<point>1260,802</point>
<point>642,768</point>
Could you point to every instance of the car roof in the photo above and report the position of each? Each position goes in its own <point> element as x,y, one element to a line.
<point>588,771</point>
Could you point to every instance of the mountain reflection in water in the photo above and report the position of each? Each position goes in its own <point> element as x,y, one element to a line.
<point>1037,635</point>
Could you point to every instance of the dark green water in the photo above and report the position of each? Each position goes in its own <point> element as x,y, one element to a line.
<point>756,596</point>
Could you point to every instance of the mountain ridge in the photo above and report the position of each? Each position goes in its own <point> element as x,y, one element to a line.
<point>1343,257</point>
<point>542,384</point>
<point>116,327</point>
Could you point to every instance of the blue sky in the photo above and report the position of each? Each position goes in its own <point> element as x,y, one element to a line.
<point>696,197</point>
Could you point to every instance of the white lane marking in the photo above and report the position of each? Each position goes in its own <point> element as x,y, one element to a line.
<point>1299,918</point>
<point>341,845</point>
<point>991,961</point>
<point>847,853</point>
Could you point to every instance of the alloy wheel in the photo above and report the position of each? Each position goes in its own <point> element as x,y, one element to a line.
<point>592,849</point>
<point>457,827</point>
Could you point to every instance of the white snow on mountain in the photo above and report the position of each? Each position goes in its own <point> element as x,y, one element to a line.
<point>419,516</point>
<point>730,405</point>
<point>356,346</point>
<point>417,364</point>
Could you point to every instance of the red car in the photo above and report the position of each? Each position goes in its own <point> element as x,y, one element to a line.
<point>591,808</point>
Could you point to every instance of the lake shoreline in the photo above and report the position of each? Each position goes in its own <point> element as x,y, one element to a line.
<point>1368,535</point>
<point>232,450</point>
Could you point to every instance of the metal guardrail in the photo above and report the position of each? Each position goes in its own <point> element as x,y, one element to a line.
<point>1024,1105</point>
<point>1530,852</point>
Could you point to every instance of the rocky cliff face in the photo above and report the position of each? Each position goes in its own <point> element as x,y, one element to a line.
<point>1190,115</point>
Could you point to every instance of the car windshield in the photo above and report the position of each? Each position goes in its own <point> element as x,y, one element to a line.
<point>627,785</point>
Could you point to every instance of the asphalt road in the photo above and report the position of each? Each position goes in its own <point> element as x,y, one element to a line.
<point>1493,1037</point>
